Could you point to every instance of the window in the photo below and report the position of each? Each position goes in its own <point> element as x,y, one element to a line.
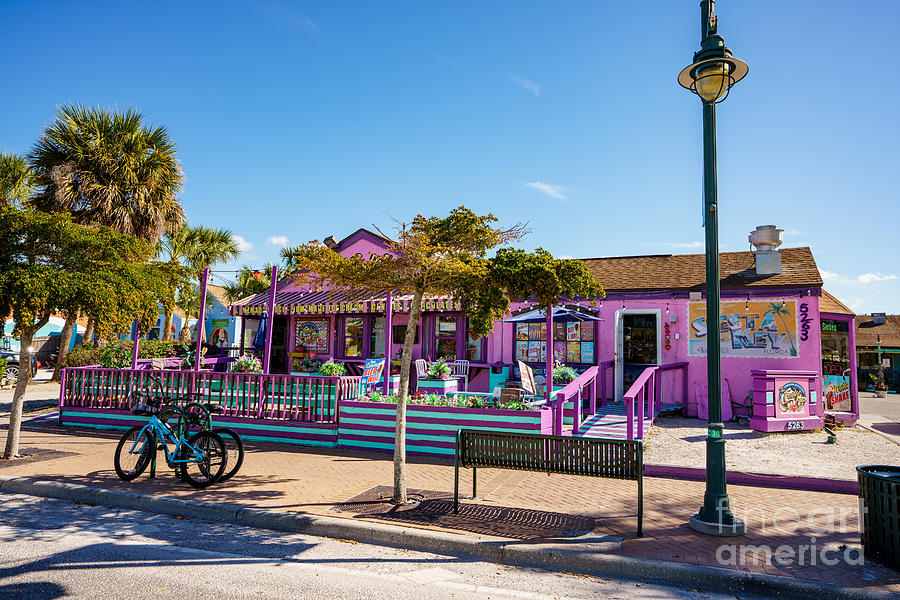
<point>353,337</point>
<point>445,337</point>
<point>573,342</point>
<point>474,347</point>
<point>377,338</point>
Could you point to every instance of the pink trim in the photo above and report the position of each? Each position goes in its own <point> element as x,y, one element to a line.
<point>813,484</point>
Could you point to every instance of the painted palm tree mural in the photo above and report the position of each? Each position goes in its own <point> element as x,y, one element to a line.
<point>780,309</point>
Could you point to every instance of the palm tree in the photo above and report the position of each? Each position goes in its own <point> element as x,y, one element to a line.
<point>288,261</point>
<point>780,309</point>
<point>197,247</point>
<point>249,282</point>
<point>16,179</point>
<point>110,169</point>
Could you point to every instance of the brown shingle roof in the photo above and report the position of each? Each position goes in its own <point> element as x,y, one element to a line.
<point>688,271</point>
<point>830,304</point>
<point>867,332</point>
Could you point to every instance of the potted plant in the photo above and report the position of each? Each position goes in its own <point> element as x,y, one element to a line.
<point>332,369</point>
<point>247,364</point>
<point>563,374</point>
<point>878,382</point>
<point>439,370</point>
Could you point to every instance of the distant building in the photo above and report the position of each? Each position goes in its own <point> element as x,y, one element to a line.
<point>873,331</point>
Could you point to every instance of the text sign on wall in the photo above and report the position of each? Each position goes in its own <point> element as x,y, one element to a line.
<point>747,329</point>
<point>837,393</point>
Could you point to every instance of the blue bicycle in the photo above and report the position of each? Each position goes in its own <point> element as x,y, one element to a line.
<point>200,460</point>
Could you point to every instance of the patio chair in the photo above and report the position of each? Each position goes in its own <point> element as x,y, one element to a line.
<point>459,369</point>
<point>421,368</point>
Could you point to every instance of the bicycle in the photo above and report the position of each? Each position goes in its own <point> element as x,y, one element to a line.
<point>200,459</point>
<point>200,414</point>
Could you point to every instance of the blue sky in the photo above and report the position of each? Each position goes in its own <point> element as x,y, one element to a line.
<point>297,120</point>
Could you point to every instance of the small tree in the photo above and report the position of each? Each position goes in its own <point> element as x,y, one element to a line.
<point>430,256</point>
<point>49,263</point>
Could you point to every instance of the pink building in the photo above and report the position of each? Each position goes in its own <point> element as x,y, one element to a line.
<point>653,314</point>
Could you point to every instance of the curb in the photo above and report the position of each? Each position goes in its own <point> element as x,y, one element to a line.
<point>870,429</point>
<point>527,555</point>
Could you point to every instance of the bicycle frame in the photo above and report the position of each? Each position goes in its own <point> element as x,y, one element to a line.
<point>162,433</point>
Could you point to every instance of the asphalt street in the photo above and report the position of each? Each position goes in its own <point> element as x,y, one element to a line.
<point>56,549</point>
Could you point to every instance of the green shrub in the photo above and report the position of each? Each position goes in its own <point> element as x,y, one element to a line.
<point>81,356</point>
<point>333,369</point>
<point>2,368</point>
<point>117,355</point>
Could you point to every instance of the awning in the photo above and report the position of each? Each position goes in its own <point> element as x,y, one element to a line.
<point>324,302</point>
<point>560,314</point>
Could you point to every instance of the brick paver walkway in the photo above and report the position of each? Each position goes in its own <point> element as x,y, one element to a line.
<point>294,478</point>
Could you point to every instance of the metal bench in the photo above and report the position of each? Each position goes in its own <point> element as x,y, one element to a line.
<point>595,457</point>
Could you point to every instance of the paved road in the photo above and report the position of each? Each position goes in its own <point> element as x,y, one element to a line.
<point>56,549</point>
<point>888,408</point>
<point>40,394</point>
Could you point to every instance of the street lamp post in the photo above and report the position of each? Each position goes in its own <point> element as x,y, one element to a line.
<point>711,76</point>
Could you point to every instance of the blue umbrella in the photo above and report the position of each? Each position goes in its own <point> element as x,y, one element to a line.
<point>259,340</point>
<point>559,314</point>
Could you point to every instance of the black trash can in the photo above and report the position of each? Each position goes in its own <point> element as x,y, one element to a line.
<point>879,490</point>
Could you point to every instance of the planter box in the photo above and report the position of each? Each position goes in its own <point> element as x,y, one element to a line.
<point>438,386</point>
<point>429,429</point>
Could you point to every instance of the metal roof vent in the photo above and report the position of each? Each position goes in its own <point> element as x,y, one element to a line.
<point>766,239</point>
<point>330,241</point>
<point>879,318</point>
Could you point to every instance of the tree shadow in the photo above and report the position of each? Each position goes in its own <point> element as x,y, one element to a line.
<point>34,590</point>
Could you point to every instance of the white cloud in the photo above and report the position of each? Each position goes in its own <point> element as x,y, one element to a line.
<point>527,84</point>
<point>278,240</point>
<point>242,244</point>
<point>870,277</point>
<point>566,257</point>
<point>855,302</point>
<point>830,276</point>
<point>554,191</point>
<point>792,232</point>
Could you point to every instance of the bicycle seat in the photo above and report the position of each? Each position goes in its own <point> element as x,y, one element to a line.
<point>213,408</point>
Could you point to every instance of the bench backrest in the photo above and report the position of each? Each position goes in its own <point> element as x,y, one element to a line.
<point>598,457</point>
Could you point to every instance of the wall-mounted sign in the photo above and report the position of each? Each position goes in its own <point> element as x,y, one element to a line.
<point>791,398</point>
<point>312,337</point>
<point>747,329</point>
<point>836,392</point>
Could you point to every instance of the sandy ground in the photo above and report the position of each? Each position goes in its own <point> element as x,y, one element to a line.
<point>681,442</point>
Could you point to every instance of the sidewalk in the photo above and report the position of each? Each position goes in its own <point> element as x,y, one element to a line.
<point>513,506</point>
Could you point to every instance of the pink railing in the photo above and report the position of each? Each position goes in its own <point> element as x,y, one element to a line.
<point>646,392</point>
<point>249,395</point>
<point>575,391</point>
<point>606,366</point>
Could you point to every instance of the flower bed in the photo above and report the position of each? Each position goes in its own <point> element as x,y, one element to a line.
<point>432,421</point>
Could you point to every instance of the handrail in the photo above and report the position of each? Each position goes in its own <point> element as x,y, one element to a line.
<point>648,387</point>
<point>587,379</point>
<point>604,367</point>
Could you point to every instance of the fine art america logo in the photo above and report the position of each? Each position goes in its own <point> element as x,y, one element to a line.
<point>804,551</point>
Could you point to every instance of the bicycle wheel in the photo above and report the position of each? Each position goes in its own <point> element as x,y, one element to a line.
<point>133,453</point>
<point>235,449</point>
<point>208,470</point>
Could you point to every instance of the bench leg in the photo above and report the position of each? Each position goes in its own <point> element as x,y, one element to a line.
<point>474,482</point>
<point>456,480</point>
<point>640,515</point>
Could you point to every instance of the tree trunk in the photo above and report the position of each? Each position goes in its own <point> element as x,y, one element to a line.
<point>15,412</point>
<point>167,324</point>
<point>400,426</point>
<point>65,340</point>
<point>88,332</point>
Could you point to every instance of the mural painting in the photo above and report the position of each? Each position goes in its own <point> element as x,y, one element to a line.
<point>311,337</point>
<point>757,329</point>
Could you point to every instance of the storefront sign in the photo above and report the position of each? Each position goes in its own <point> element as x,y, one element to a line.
<point>372,371</point>
<point>527,376</point>
<point>747,329</point>
<point>837,393</point>
<point>791,398</point>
